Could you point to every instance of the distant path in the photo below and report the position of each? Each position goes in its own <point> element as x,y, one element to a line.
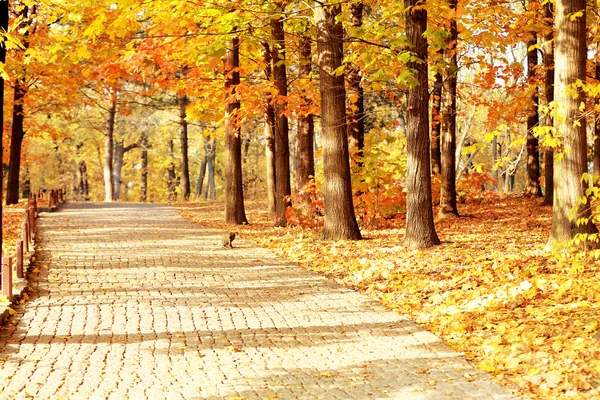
<point>132,301</point>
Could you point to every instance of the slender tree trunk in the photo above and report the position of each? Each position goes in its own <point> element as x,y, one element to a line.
<point>144,177</point>
<point>211,191</point>
<point>16,141</point>
<point>532,187</point>
<point>571,54</point>
<point>269,135</point>
<point>17,132</point>
<point>356,114</point>
<point>436,120</point>
<point>495,158</point>
<point>183,131</point>
<point>201,175</point>
<point>305,169</point>
<point>108,149</point>
<point>234,194</point>
<point>4,27</point>
<point>119,153</point>
<point>448,187</point>
<point>597,127</point>
<point>340,221</point>
<point>282,144</point>
<point>171,174</point>
<point>420,230</point>
<point>549,89</point>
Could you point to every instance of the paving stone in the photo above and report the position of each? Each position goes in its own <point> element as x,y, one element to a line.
<point>134,302</point>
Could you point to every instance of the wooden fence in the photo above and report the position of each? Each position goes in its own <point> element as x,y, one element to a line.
<point>25,244</point>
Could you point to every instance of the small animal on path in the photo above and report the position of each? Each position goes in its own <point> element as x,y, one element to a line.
<point>227,239</point>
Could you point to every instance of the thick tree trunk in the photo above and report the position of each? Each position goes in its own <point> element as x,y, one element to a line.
<point>549,90</point>
<point>201,175</point>
<point>171,174</point>
<point>183,137</point>
<point>282,144</point>
<point>234,194</point>
<point>269,135</point>
<point>356,114</point>
<point>109,150</point>
<point>16,141</point>
<point>571,54</point>
<point>305,169</point>
<point>448,134</point>
<point>532,187</point>
<point>144,177</point>
<point>436,123</point>
<point>420,230</point>
<point>340,221</point>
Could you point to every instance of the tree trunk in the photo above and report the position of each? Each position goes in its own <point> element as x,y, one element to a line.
<point>144,178</point>
<point>597,127</point>
<point>532,187</point>
<point>420,230</point>
<point>305,170</point>
<point>340,221</point>
<point>211,192</point>
<point>282,144</point>
<point>571,54</point>
<point>4,27</point>
<point>436,119</point>
<point>495,158</point>
<point>201,174</point>
<point>269,136</point>
<point>448,134</point>
<point>171,174</point>
<point>108,149</point>
<point>183,131</point>
<point>16,141</point>
<point>356,123</point>
<point>119,154</point>
<point>549,89</point>
<point>234,193</point>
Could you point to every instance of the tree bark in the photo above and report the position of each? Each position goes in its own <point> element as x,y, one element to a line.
<point>436,123</point>
<point>119,154</point>
<point>356,114</point>
<point>597,127</point>
<point>282,144</point>
<point>4,28</point>
<point>183,137</point>
<point>201,175</point>
<point>210,188</point>
<point>532,187</point>
<point>171,174</point>
<point>234,193</point>
<point>17,132</point>
<point>144,177</point>
<point>269,135</point>
<point>16,141</point>
<point>420,230</point>
<point>549,89</point>
<point>305,169</point>
<point>108,148</point>
<point>571,54</point>
<point>448,132</point>
<point>340,221</point>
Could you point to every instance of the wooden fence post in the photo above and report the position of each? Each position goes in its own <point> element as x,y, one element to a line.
<point>20,274</point>
<point>25,235</point>
<point>31,215</point>
<point>7,277</point>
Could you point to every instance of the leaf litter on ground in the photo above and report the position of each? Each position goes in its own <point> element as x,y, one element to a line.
<point>490,290</point>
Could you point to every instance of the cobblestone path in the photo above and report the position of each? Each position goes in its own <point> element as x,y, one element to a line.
<point>133,302</point>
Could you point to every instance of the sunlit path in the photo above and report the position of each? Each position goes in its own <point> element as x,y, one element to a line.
<point>132,301</point>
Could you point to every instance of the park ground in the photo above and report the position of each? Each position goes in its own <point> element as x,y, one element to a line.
<point>527,316</point>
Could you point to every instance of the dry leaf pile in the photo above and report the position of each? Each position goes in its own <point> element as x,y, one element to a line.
<point>490,290</point>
